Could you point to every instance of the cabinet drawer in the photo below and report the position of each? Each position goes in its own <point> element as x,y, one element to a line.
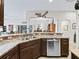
<point>65,43</point>
<point>65,39</point>
<point>26,44</point>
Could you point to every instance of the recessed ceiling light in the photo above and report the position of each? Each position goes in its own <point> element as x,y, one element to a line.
<point>50,0</point>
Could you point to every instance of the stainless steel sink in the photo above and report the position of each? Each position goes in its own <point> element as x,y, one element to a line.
<point>2,42</point>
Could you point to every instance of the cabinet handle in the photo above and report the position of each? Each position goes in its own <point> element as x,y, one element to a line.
<point>7,57</point>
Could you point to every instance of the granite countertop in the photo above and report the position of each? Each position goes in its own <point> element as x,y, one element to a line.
<point>4,48</point>
<point>75,52</point>
<point>51,36</point>
<point>9,44</point>
<point>73,49</point>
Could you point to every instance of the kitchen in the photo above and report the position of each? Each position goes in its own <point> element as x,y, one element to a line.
<point>45,31</point>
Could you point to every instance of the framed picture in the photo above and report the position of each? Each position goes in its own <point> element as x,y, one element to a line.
<point>65,27</point>
<point>74,26</point>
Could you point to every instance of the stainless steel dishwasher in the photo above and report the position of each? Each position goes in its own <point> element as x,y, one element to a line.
<point>53,47</point>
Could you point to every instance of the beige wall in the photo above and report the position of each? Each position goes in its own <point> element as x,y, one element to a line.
<point>60,16</point>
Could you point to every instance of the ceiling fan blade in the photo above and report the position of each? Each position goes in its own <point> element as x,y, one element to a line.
<point>45,14</point>
<point>38,14</point>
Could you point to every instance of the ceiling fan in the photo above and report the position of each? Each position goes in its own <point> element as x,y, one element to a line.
<point>41,15</point>
<point>77,5</point>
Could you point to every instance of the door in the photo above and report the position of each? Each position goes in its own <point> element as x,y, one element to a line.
<point>1,12</point>
<point>64,47</point>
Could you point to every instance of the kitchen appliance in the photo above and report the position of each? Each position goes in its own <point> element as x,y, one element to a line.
<point>22,28</point>
<point>51,27</point>
<point>4,28</point>
<point>10,28</point>
<point>53,47</point>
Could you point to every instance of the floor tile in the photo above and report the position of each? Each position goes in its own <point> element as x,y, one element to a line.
<point>52,58</point>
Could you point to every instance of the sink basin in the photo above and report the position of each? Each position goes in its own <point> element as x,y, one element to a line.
<point>2,42</point>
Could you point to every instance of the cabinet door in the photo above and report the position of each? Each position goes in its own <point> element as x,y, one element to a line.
<point>12,54</point>
<point>1,12</point>
<point>36,51</point>
<point>43,47</point>
<point>64,47</point>
<point>5,57</point>
<point>26,53</point>
<point>15,56</point>
<point>73,56</point>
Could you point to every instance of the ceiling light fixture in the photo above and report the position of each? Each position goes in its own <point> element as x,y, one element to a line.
<point>50,0</point>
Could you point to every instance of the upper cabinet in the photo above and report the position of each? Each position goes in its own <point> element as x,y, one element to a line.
<point>1,12</point>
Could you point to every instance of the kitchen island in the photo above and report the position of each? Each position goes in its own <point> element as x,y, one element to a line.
<point>28,47</point>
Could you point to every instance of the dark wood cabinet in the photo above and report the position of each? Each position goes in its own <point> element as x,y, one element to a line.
<point>1,12</point>
<point>36,50</point>
<point>13,54</point>
<point>30,50</point>
<point>43,47</point>
<point>64,46</point>
<point>26,53</point>
<point>73,56</point>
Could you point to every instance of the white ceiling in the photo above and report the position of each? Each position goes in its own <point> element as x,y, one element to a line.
<point>18,8</point>
<point>40,4</point>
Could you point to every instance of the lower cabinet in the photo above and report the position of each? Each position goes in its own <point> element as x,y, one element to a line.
<point>13,54</point>
<point>31,50</point>
<point>64,44</point>
<point>64,47</point>
<point>43,49</point>
<point>36,50</point>
<point>73,56</point>
<point>26,53</point>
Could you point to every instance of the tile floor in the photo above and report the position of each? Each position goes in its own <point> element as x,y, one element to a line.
<point>69,57</point>
<point>52,58</point>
